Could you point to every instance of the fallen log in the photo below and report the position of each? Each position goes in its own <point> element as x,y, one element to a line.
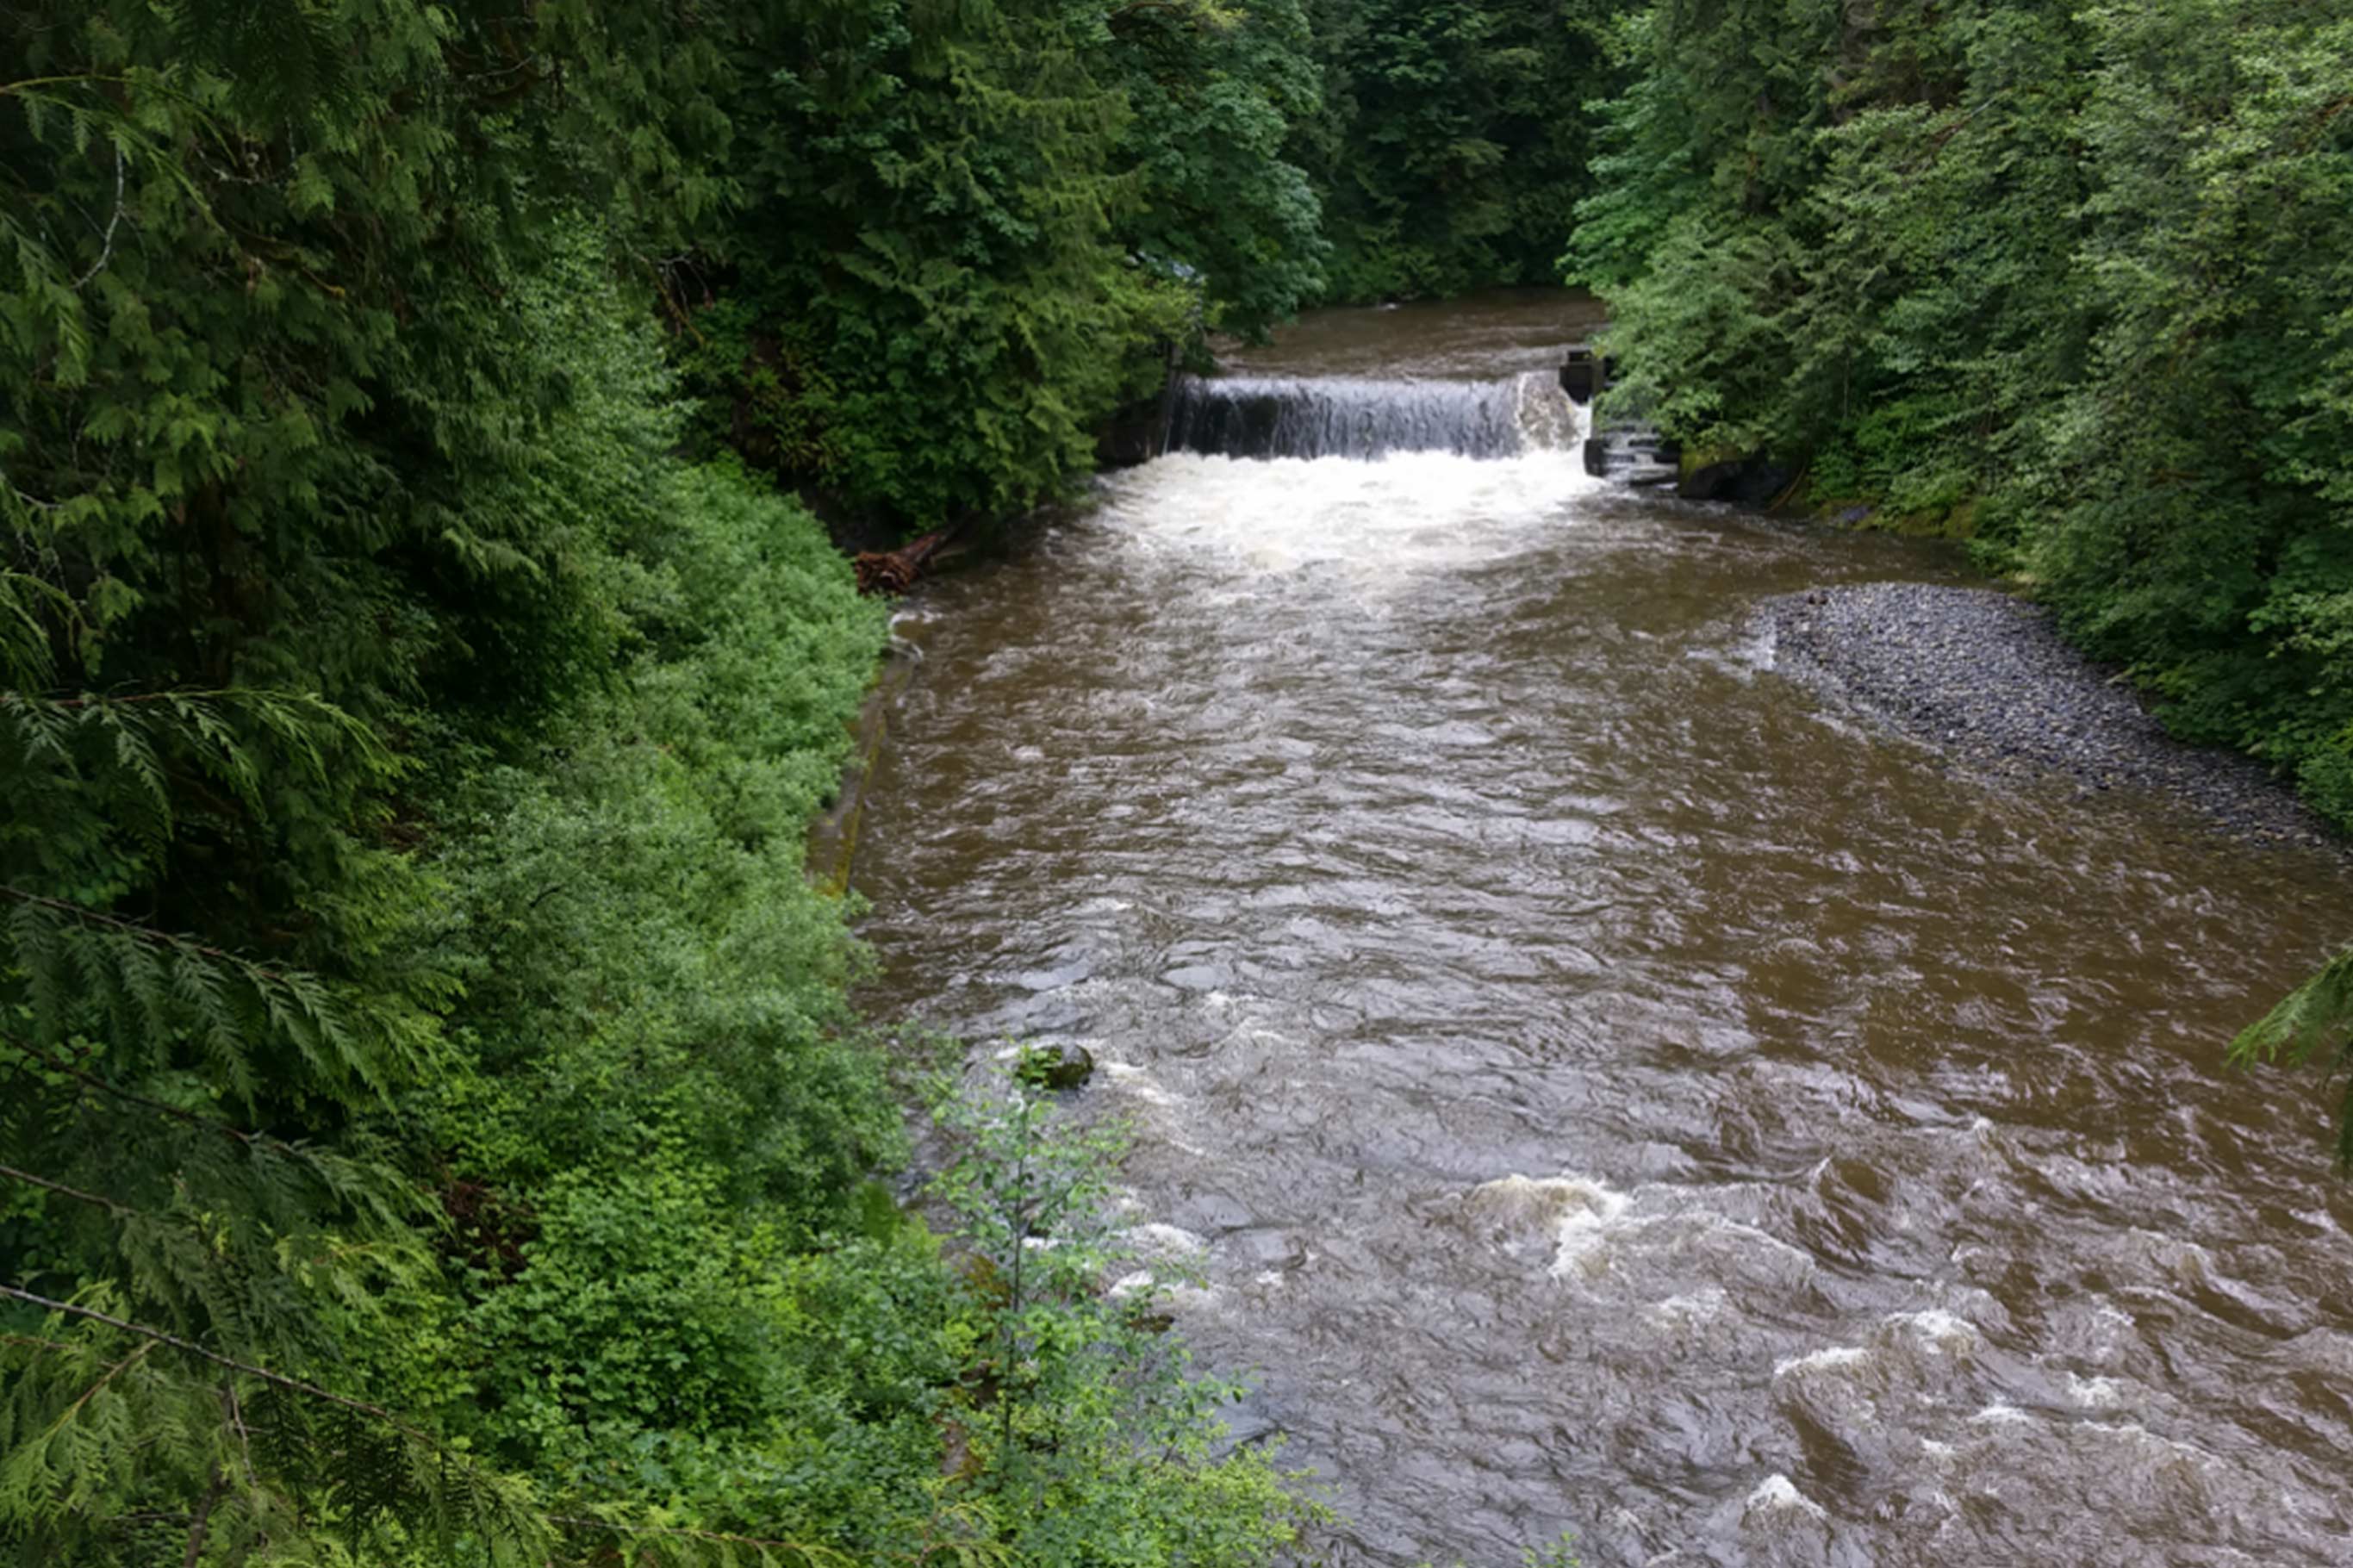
<point>895,571</point>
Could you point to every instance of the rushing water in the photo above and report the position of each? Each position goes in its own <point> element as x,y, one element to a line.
<point>1332,416</point>
<point>1606,1090</point>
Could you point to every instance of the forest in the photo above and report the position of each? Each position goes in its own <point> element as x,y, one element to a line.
<point>436,1127</point>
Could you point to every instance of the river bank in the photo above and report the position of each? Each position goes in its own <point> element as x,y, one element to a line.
<point>1986,681</point>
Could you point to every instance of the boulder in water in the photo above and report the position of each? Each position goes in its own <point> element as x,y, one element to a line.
<point>1743,481</point>
<point>1057,1066</point>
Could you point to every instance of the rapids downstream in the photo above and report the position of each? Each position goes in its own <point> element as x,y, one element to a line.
<point>1605,1088</point>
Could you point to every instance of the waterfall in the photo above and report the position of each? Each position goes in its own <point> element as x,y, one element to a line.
<point>1256,416</point>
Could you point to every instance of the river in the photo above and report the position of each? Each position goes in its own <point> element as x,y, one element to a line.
<point>1604,1088</point>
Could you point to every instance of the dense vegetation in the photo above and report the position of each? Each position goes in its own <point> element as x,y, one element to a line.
<point>1454,139</point>
<point>967,234</point>
<point>2071,282</point>
<point>434,1129</point>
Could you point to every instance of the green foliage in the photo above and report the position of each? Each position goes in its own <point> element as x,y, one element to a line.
<point>2071,280</point>
<point>2315,1019</point>
<point>432,1125</point>
<point>1089,1442</point>
<point>972,233</point>
<point>1213,93</point>
<point>2206,461</point>
<point>1455,139</point>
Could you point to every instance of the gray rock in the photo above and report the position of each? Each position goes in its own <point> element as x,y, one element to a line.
<point>1212,1213</point>
<point>1746,481</point>
<point>1985,680</point>
<point>1056,1066</point>
<point>1265,1249</point>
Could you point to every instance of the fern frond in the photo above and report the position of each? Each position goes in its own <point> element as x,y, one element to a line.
<point>2314,1019</point>
<point>85,970</point>
<point>25,656</point>
<point>282,54</point>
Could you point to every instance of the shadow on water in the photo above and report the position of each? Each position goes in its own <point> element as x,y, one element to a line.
<point>1609,1090</point>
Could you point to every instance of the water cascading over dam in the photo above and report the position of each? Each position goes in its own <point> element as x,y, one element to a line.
<point>1349,416</point>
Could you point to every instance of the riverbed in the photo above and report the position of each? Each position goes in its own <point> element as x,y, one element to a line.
<point>1605,1087</point>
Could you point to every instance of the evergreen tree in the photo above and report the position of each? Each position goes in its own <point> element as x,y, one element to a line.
<point>1455,139</point>
<point>2070,282</point>
<point>435,1129</point>
<point>970,233</point>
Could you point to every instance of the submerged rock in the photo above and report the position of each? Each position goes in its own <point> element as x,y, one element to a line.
<point>1057,1066</point>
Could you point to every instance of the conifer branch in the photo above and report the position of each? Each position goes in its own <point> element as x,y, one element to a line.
<point>810,1554</point>
<point>87,77</point>
<point>189,1347</point>
<point>203,1523</point>
<point>235,1409</point>
<point>212,1125</point>
<point>86,1395</point>
<point>145,934</point>
<point>106,252</point>
<point>27,1177</point>
<point>92,699</point>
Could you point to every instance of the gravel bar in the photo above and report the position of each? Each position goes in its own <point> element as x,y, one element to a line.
<point>1985,680</point>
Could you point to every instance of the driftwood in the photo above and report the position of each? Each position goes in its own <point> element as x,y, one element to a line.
<point>895,571</point>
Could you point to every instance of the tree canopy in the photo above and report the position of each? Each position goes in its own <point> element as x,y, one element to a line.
<point>436,1127</point>
<point>2070,282</point>
<point>1454,139</point>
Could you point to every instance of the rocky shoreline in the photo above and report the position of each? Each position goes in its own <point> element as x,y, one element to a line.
<point>1985,680</point>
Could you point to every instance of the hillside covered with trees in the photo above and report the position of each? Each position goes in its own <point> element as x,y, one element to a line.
<point>2069,282</point>
<point>436,1128</point>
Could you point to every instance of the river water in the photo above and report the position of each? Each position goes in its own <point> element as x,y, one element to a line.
<point>1604,1088</point>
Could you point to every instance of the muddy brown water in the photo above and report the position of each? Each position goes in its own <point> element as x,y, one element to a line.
<point>1604,1088</point>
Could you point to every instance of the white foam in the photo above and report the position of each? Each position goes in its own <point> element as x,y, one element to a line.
<point>1821,1361</point>
<point>1587,1212</point>
<point>1537,1197</point>
<point>2094,1392</point>
<point>1130,1079</point>
<point>1939,1330</point>
<point>1707,1302</point>
<point>1777,1493</point>
<point>2137,1436</point>
<point>1161,1240</point>
<point>1718,1224</point>
<point>1387,520</point>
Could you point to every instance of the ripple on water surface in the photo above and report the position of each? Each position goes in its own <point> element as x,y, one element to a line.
<point>1602,1090</point>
